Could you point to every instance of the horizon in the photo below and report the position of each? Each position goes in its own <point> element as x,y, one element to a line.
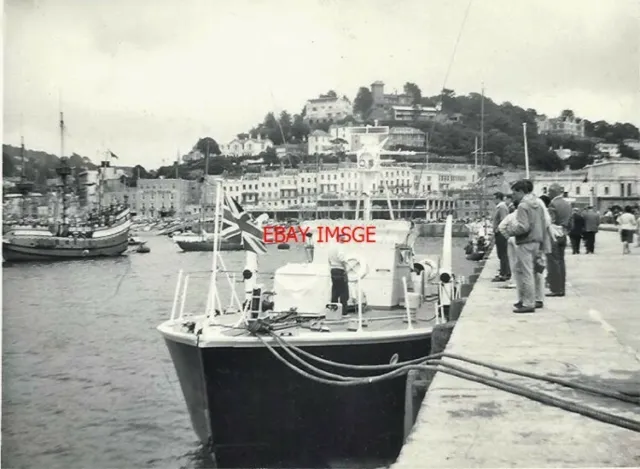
<point>136,88</point>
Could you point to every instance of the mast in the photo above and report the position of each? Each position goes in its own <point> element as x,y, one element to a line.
<point>24,186</point>
<point>63,170</point>
<point>526,150</point>
<point>482,154</point>
<point>203,198</point>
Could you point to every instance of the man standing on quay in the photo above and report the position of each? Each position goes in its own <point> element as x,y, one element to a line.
<point>502,210</point>
<point>591,224</point>
<point>560,212</point>
<point>528,230</point>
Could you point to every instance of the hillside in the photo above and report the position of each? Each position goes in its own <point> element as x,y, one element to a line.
<point>503,139</point>
<point>39,165</point>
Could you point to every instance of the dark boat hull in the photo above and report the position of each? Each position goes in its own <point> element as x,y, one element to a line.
<point>207,246</point>
<point>64,249</point>
<point>250,409</point>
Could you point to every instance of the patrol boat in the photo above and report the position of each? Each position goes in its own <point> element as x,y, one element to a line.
<point>247,370</point>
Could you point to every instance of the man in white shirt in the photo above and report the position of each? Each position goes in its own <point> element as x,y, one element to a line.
<point>339,278</point>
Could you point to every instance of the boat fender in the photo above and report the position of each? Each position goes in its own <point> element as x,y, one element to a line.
<point>357,268</point>
<point>247,274</point>
<point>430,268</point>
<point>85,252</point>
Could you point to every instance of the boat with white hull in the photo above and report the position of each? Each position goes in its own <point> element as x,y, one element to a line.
<point>252,403</point>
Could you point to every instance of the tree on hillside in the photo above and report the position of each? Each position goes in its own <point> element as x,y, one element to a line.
<point>363,102</point>
<point>299,129</point>
<point>270,156</point>
<point>567,114</point>
<point>285,124</point>
<point>8,166</point>
<point>331,94</point>
<point>414,91</point>
<point>207,143</point>
<point>628,152</point>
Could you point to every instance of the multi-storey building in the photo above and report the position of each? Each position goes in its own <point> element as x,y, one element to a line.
<point>327,109</point>
<point>566,125</point>
<point>610,150</point>
<point>606,183</point>
<point>246,146</point>
<point>407,137</point>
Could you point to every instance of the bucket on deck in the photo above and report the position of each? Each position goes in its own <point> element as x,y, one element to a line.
<point>413,300</point>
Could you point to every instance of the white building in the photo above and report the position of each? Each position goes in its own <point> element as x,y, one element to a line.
<point>246,146</point>
<point>633,144</point>
<point>327,109</point>
<point>411,113</point>
<point>611,182</point>
<point>319,143</point>
<point>610,150</point>
<point>563,125</point>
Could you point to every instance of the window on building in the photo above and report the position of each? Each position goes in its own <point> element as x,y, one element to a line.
<point>606,190</point>
<point>578,190</point>
<point>629,190</point>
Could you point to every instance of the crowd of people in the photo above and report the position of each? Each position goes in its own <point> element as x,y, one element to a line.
<point>531,235</point>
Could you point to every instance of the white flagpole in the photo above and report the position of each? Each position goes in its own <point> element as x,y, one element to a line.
<point>216,243</point>
<point>526,150</point>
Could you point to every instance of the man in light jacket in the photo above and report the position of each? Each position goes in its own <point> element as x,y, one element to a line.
<point>528,230</point>
<point>591,224</point>
<point>560,211</point>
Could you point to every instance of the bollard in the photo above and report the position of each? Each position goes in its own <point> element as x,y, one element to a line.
<point>465,290</point>
<point>456,308</point>
<point>473,279</point>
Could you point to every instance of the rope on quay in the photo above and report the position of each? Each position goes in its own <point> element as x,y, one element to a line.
<point>438,365</point>
<point>613,394</point>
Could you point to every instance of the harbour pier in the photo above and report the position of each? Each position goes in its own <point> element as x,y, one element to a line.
<point>591,337</point>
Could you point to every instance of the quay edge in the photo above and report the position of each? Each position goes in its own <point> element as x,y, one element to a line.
<point>580,337</point>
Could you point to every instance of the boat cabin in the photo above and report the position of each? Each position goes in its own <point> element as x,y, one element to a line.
<point>377,267</point>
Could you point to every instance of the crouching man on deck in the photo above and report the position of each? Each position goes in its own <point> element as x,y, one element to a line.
<point>339,278</point>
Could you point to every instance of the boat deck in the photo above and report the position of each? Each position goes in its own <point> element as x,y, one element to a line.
<point>376,324</point>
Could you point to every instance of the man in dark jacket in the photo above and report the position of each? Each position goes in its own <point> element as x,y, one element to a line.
<point>591,224</point>
<point>502,210</point>
<point>577,230</point>
<point>560,212</point>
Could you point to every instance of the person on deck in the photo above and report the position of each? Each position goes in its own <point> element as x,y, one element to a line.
<point>560,211</point>
<point>339,278</point>
<point>528,230</point>
<point>501,211</point>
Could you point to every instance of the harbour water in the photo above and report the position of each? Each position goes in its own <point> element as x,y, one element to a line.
<point>87,380</point>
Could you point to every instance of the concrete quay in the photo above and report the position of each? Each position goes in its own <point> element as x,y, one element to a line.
<point>591,336</point>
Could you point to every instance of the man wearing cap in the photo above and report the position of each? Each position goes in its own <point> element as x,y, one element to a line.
<point>339,278</point>
<point>502,210</point>
<point>560,212</point>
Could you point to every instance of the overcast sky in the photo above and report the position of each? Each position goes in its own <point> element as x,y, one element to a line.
<point>147,78</point>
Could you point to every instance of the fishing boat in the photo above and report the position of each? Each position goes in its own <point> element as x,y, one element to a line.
<point>250,402</point>
<point>204,241</point>
<point>106,236</point>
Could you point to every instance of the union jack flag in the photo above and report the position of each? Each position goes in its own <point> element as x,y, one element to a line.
<point>237,222</point>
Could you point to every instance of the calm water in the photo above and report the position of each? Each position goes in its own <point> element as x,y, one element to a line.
<point>87,381</point>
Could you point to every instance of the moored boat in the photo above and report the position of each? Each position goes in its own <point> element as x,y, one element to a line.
<point>106,236</point>
<point>248,397</point>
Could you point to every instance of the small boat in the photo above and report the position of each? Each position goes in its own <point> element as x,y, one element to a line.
<point>134,241</point>
<point>247,397</point>
<point>478,242</point>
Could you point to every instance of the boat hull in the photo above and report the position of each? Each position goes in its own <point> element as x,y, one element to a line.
<point>250,409</point>
<point>63,249</point>
<point>192,246</point>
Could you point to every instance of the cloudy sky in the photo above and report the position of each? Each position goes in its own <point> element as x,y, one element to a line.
<point>147,78</point>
